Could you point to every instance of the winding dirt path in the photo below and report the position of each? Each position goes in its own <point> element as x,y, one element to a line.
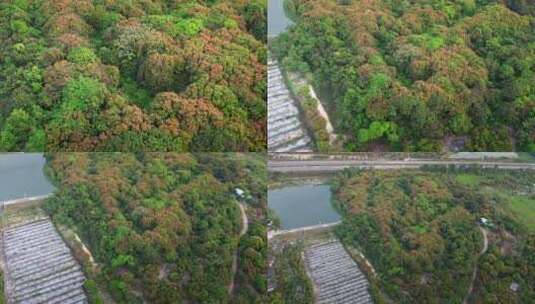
<point>485,241</point>
<point>474,273</point>
<point>243,231</point>
<point>244,220</point>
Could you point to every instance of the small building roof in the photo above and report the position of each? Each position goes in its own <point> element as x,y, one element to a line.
<point>239,191</point>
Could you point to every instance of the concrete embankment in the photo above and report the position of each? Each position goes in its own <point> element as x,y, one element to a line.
<point>26,200</point>
<point>274,233</point>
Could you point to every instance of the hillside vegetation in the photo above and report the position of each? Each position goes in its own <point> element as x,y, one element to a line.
<point>422,75</point>
<point>293,284</point>
<point>140,75</point>
<point>164,227</point>
<point>419,230</point>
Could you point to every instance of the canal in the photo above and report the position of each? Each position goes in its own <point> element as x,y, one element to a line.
<point>21,175</point>
<point>303,205</point>
<point>277,20</point>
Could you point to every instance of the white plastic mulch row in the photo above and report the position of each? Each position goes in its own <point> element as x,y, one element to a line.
<point>40,267</point>
<point>286,132</point>
<point>337,278</point>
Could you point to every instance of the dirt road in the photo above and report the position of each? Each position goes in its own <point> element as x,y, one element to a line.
<point>474,273</point>
<point>243,231</point>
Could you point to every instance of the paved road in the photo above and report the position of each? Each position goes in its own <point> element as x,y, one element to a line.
<point>336,165</point>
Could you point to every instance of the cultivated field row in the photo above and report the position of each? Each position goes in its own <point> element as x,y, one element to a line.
<point>336,277</point>
<point>40,267</point>
<point>286,132</point>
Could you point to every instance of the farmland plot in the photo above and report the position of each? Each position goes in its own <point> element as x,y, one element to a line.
<point>286,131</point>
<point>39,266</point>
<point>336,277</point>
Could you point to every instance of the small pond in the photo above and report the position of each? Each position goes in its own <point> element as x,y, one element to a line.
<point>21,175</point>
<point>277,20</point>
<point>303,205</point>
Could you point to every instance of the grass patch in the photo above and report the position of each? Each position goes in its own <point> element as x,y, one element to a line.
<point>16,215</point>
<point>526,157</point>
<point>419,229</point>
<point>429,41</point>
<point>524,209</point>
<point>470,179</point>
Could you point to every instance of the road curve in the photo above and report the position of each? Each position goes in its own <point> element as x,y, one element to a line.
<point>337,165</point>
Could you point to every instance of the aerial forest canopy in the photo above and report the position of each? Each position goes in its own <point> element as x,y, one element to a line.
<point>139,75</point>
<point>164,227</point>
<point>424,75</point>
<point>419,229</point>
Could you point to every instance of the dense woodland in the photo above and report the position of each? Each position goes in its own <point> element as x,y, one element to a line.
<point>424,75</point>
<point>164,227</point>
<point>419,229</point>
<point>137,75</point>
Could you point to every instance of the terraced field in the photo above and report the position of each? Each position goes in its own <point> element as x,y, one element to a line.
<point>286,132</point>
<point>39,266</point>
<point>336,277</point>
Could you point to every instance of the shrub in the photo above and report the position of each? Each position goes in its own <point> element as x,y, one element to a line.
<point>82,55</point>
<point>83,92</point>
<point>188,27</point>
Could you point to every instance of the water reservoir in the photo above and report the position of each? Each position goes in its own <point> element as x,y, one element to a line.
<point>303,205</point>
<point>277,20</point>
<point>21,175</point>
